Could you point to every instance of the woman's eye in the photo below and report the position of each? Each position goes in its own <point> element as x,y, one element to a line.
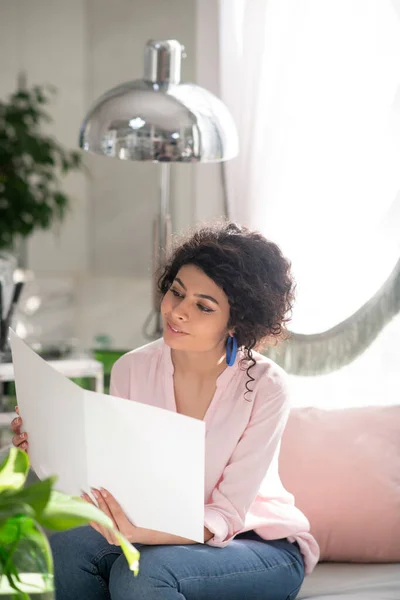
<point>200,306</point>
<point>205,308</point>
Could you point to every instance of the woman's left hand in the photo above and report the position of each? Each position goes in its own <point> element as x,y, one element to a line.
<point>110,507</point>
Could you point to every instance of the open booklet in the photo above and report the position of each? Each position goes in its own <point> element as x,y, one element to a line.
<point>150,459</point>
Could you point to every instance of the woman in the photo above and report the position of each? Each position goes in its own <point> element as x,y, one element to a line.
<point>225,290</point>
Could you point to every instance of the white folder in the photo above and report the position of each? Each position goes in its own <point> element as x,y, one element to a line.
<point>150,459</point>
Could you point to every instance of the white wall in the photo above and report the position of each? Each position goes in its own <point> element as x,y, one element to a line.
<point>208,196</point>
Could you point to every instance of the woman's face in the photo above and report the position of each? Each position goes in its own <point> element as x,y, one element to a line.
<point>195,312</point>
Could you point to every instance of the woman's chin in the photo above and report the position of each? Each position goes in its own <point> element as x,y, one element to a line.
<point>174,341</point>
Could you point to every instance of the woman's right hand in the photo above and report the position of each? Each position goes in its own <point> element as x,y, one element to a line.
<point>20,439</point>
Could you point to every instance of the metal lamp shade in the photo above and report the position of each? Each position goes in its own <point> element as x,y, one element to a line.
<point>159,119</point>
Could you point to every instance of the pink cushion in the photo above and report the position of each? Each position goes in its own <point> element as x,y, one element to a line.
<point>343,467</point>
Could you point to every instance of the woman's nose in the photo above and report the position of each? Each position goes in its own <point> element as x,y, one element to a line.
<point>180,311</point>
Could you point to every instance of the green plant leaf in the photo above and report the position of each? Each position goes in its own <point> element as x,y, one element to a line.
<point>10,509</point>
<point>36,495</point>
<point>14,470</point>
<point>131,554</point>
<point>16,527</point>
<point>64,512</point>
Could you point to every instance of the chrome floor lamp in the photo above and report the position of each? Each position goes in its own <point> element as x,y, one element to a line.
<point>160,119</point>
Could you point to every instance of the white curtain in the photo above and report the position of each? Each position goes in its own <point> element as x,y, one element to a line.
<point>314,87</point>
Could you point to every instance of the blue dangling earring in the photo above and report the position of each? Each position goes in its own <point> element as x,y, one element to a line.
<point>231,350</point>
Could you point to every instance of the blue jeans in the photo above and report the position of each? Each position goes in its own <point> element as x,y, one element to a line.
<point>87,567</point>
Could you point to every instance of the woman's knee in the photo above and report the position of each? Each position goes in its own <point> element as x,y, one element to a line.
<point>79,547</point>
<point>82,562</point>
<point>156,573</point>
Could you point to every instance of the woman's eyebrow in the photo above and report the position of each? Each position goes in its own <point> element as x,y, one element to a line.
<point>205,296</point>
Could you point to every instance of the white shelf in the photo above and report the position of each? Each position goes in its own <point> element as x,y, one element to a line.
<point>79,367</point>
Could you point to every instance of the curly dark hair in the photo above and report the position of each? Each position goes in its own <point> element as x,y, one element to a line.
<point>252,272</point>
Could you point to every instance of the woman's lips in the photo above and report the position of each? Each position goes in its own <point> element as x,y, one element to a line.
<point>175,330</point>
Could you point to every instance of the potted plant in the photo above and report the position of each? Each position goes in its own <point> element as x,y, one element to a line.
<point>31,164</point>
<point>26,568</point>
<point>31,167</point>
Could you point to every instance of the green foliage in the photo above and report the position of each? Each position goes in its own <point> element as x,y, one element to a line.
<point>31,165</point>
<point>22,509</point>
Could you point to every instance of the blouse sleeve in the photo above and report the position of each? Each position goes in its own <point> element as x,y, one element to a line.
<point>242,477</point>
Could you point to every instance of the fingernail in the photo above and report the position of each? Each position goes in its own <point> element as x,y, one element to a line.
<point>22,436</point>
<point>103,492</point>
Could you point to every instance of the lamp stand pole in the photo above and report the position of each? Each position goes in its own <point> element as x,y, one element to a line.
<point>162,232</point>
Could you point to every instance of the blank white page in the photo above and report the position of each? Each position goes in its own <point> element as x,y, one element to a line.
<point>151,460</point>
<point>52,409</point>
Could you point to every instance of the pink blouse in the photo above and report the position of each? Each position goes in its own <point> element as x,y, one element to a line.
<point>243,490</point>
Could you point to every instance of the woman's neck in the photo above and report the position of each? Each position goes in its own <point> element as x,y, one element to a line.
<point>199,365</point>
